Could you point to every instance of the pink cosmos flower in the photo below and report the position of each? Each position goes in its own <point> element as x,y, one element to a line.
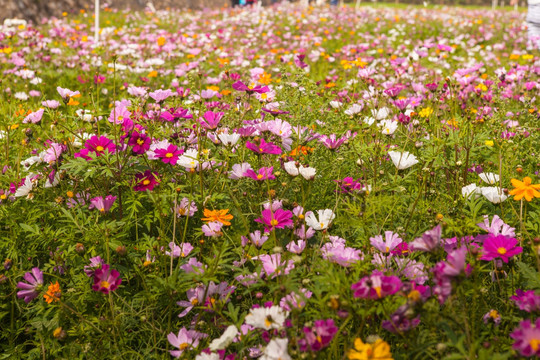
<point>212,229</point>
<point>95,263</point>
<point>429,241</point>
<point>318,336</point>
<point>211,120</point>
<point>295,300</point>
<point>185,208</point>
<point>34,117</point>
<point>500,246</point>
<point>160,95</point>
<point>264,147</point>
<point>391,241</point>
<point>498,226</point>
<point>296,247</point>
<point>527,338</point>
<point>240,86</point>
<point>102,204</point>
<point>30,289</point>
<point>53,152</point>
<point>106,280</point>
<point>179,251</point>
<point>335,251</point>
<point>273,266</point>
<point>51,104</point>
<point>256,238</point>
<point>279,219</point>
<point>264,173</point>
<point>376,286</point>
<point>66,93</point>
<point>185,340</point>
<point>169,155</point>
<point>526,300</point>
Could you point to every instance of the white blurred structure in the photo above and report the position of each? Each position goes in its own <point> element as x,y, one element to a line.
<point>96,22</point>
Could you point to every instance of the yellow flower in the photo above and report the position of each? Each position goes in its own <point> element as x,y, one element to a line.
<point>425,112</point>
<point>379,350</point>
<point>161,41</point>
<point>53,293</point>
<point>489,143</point>
<point>217,215</point>
<point>524,189</point>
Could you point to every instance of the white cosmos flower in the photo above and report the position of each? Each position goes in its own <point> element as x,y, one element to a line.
<point>368,120</point>
<point>353,110</point>
<point>21,96</point>
<point>493,194</point>
<point>307,172</point>
<point>471,189</point>
<point>277,349</point>
<point>290,168</point>
<point>229,139</point>
<point>267,317</point>
<point>381,113</point>
<point>205,356</point>
<point>325,219</point>
<point>336,104</point>
<point>189,159</point>
<point>25,189</point>
<point>403,160</point>
<point>224,340</point>
<point>489,178</point>
<point>389,127</point>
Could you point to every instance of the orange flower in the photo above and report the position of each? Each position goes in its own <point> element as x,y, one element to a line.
<point>217,215</point>
<point>524,189</point>
<point>53,293</point>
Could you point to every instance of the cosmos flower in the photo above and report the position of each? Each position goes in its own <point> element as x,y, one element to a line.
<point>379,350</point>
<point>326,217</point>
<point>266,318</point>
<point>391,241</point>
<point>525,189</point>
<point>53,293</point>
<point>264,173</point>
<point>500,246</point>
<point>106,279</point>
<point>185,340</point>
<point>376,286</point>
<point>30,289</point>
<point>217,215</point>
<point>102,204</point>
<point>527,338</point>
<point>264,147</point>
<point>146,181</point>
<point>278,219</point>
<point>403,160</point>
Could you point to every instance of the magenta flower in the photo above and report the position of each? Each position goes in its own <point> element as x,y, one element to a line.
<point>102,204</point>
<point>211,120</point>
<point>106,280</point>
<point>526,300</point>
<point>185,340</point>
<point>30,289</point>
<point>139,142</point>
<point>527,338</point>
<point>318,336</point>
<point>146,181</point>
<point>97,145</point>
<point>376,286</point>
<point>279,219</point>
<point>169,155</point>
<point>240,86</point>
<point>500,246</point>
<point>264,147</point>
<point>264,173</point>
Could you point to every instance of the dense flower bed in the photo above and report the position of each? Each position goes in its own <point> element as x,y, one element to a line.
<point>276,183</point>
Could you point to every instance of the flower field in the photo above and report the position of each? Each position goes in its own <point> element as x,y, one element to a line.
<point>271,183</point>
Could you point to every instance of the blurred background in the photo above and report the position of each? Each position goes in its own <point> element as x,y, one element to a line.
<point>35,10</point>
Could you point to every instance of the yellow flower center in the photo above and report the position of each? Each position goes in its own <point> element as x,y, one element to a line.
<point>535,344</point>
<point>105,284</point>
<point>378,291</point>
<point>169,155</point>
<point>501,251</point>
<point>194,302</point>
<point>387,249</point>
<point>183,346</point>
<point>146,182</point>
<point>274,222</point>
<point>414,295</point>
<point>99,148</point>
<point>259,176</point>
<point>140,141</point>
<point>322,225</point>
<point>3,197</point>
<point>493,314</point>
